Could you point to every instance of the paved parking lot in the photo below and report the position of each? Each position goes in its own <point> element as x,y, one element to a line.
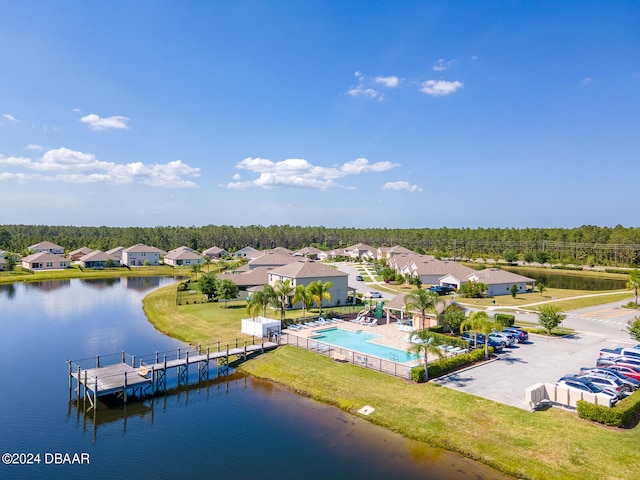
<point>541,360</point>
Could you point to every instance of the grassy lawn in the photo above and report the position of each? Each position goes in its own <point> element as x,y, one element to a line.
<point>74,272</point>
<point>546,444</point>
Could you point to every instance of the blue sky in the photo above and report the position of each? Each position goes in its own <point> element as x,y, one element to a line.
<point>359,114</point>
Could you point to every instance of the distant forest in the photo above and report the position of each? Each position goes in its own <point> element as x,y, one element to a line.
<point>583,245</point>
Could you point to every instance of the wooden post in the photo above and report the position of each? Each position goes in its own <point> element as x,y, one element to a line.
<point>245,351</point>
<point>79,382</point>
<point>262,346</point>
<point>227,356</point>
<point>156,357</point>
<point>153,380</point>
<point>95,395</point>
<point>133,361</point>
<point>84,397</point>
<point>122,356</point>
<point>125,387</point>
<point>207,363</point>
<point>70,378</point>
<point>97,361</point>
<point>178,353</point>
<point>199,349</point>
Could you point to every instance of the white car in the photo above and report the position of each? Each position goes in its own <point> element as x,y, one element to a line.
<point>374,294</point>
<point>584,385</point>
<point>503,339</point>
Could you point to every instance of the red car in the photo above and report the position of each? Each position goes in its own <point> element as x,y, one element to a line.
<point>626,370</point>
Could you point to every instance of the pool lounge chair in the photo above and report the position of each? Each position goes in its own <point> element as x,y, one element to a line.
<point>371,322</point>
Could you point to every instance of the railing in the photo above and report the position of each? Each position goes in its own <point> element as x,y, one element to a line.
<point>388,366</point>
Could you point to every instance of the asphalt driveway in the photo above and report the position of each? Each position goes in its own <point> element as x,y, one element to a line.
<point>543,359</point>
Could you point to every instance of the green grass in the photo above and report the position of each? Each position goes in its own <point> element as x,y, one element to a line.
<point>20,275</point>
<point>545,444</point>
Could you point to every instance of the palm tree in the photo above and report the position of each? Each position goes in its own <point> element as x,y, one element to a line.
<point>283,290</point>
<point>634,282</point>
<point>422,301</point>
<point>206,259</point>
<point>479,322</point>
<point>302,295</point>
<point>428,345</point>
<point>260,300</point>
<point>320,291</point>
<point>195,268</point>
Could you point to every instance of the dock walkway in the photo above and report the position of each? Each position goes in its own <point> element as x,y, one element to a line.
<point>149,377</point>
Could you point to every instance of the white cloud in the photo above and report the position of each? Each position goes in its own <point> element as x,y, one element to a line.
<point>362,90</point>
<point>71,166</point>
<point>474,57</point>
<point>401,185</point>
<point>33,146</point>
<point>438,88</point>
<point>586,81</point>
<point>296,172</point>
<point>390,82</point>
<point>96,122</point>
<point>442,65</point>
<point>10,117</point>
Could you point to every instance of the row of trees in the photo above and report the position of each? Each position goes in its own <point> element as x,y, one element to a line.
<point>601,245</point>
<point>279,294</point>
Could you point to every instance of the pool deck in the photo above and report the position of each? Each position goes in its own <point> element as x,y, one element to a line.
<point>390,334</point>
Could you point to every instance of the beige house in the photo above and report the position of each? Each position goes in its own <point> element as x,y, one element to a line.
<point>79,253</point>
<point>48,247</point>
<point>361,250</point>
<point>140,254</point>
<point>183,256</point>
<point>45,261</point>
<point>303,273</point>
<point>98,259</point>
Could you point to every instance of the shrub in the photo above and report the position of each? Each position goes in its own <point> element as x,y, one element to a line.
<point>417,374</point>
<point>624,414</point>
<point>565,267</point>
<point>615,270</point>
<point>436,329</point>
<point>445,365</point>
<point>505,319</point>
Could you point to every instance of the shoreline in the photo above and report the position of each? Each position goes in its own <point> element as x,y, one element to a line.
<point>512,441</point>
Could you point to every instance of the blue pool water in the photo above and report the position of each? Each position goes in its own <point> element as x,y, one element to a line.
<point>361,342</point>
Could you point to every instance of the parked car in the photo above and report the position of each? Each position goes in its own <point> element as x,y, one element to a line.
<point>631,352</point>
<point>504,339</point>
<point>605,362</point>
<point>477,340</point>
<point>521,335</point>
<point>629,384</point>
<point>613,385</point>
<point>626,370</point>
<point>441,289</point>
<point>359,278</point>
<point>374,294</point>
<point>570,381</point>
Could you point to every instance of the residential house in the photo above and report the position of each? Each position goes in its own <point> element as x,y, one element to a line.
<point>303,273</point>
<point>215,252</point>
<point>140,254</point>
<point>248,253</point>
<point>183,256</point>
<point>361,250</point>
<point>308,252</point>
<point>79,253</point>
<point>116,252</point>
<point>385,252</point>
<point>499,282</point>
<point>332,254</point>
<point>282,250</point>
<point>45,261</point>
<point>47,247</point>
<point>395,310</point>
<point>272,260</point>
<point>98,259</point>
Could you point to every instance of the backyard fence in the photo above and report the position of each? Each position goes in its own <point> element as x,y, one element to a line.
<point>341,354</point>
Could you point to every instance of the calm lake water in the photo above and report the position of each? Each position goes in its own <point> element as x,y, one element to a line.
<point>556,279</point>
<point>231,426</point>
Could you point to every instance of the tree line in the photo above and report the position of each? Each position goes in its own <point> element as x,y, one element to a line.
<point>586,244</point>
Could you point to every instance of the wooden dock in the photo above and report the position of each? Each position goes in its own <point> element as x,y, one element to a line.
<point>125,378</point>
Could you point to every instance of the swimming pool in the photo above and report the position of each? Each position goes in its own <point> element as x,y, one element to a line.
<point>361,342</point>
